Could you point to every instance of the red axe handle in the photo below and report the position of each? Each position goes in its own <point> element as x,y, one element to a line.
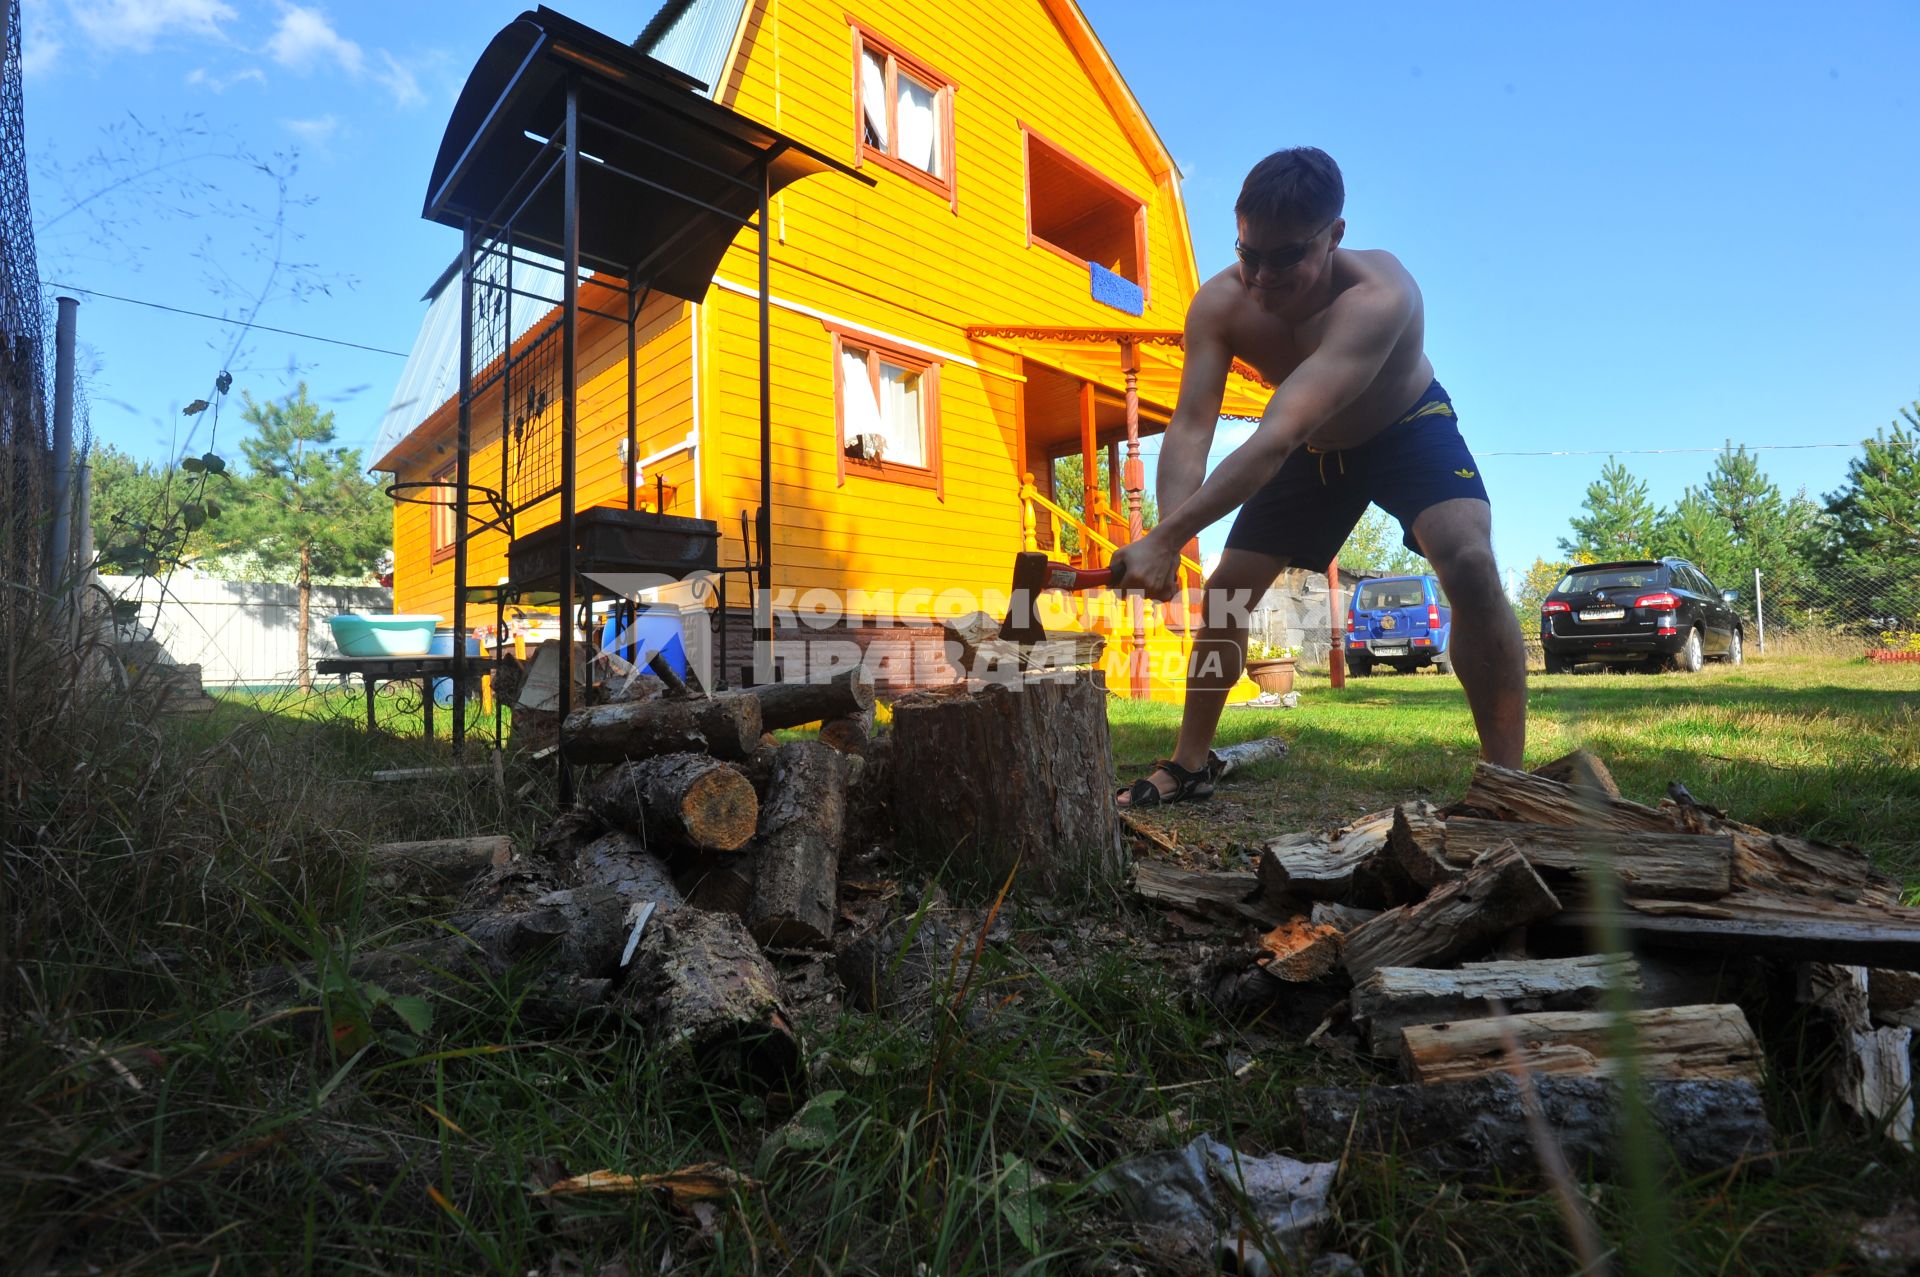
<point>1064,576</point>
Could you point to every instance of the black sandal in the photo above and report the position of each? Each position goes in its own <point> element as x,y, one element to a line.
<point>1189,786</point>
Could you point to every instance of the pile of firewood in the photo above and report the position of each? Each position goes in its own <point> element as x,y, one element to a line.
<point>1515,956</point>
<point>699,848</point>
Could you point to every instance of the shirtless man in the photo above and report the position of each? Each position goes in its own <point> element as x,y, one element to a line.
<point>1357,417</point>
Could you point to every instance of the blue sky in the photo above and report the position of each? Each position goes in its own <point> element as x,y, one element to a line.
<point>1637,226</point>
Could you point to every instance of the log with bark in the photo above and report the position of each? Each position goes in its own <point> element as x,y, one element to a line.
<point>719,880</point>
<point>702,986</point>
<point>1497,894</point>
<point>1667,866</point>
<point>1505,794</point>
<point>1007,774</point>
<point>1348,865</point>
<point>849,735</point>
<point>444,864</point>
<point>796,853</point>
<point>1893,998</point>
<point>850,691</point>
<point>1701,1042</point>
<point>676,799</point>
<point>1394,997</point>
<point>1229,759</point>
<point>726,726</point>
<point>1479,1128</point>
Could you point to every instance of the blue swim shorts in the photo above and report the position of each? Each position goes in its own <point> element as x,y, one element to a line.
<point>1304,513</point>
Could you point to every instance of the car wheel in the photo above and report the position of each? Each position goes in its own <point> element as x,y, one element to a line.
<point>1403,667</point>
<point>1557,664</point>
<point>1443,661</point>
<point>1736,653</point>
<point>1359,667</point>
<point>1689,659</point>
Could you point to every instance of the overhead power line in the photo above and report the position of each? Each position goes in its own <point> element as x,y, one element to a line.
<point>222,319</point>
<point>1650,452</point>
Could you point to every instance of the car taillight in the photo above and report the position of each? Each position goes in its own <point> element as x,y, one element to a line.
<point>1548,609</point>
<point>1349,622</point>
<point>1433,616</point>
<point>1662,600</point>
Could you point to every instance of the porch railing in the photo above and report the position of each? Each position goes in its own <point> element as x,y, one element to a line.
<point>1097,548</point>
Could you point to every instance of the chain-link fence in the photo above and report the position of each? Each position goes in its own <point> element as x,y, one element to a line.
<point>25,430</point>
<point>1866,609</point>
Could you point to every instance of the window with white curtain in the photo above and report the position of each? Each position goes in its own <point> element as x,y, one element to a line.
<point>888,418</point>
<point>906,114</point>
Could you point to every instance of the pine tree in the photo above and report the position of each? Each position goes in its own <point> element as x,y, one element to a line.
<point>1875,545</point>
<point>1619,520</point>
<point>1375,544</point>
<point>309,505</point>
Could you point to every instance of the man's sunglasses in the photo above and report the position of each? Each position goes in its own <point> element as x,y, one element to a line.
<point>1279,260</point>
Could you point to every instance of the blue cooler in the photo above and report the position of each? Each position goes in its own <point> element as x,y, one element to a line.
<point>443,646</point>
<point>648,632</point>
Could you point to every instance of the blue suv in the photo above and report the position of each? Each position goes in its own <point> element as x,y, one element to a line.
<point>1399,621</point>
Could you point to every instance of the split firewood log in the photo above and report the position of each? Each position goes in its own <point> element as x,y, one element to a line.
<point>684,799</point>
<point>1701,1042</point>
<point>1580,770</point>
<point>726,726</point>
<point>1393,998</point>
<point>1506,794</point>
<point>1497,894</point>
<point>1480,1128</point>
<point>796,704</point>
<point>1869,1073</point>
<point>797,850</point>
<point>1666,866</point>
<point>1765,924</point>
<point>1227,895</point>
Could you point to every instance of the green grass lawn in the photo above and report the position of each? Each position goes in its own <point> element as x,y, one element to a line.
<point>156,1118</point>
<point>1823,747</point>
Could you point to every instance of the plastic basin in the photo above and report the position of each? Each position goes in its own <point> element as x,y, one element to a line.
<point>358,634</point>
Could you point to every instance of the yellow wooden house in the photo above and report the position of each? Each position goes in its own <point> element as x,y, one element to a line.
<point>1003,302</point>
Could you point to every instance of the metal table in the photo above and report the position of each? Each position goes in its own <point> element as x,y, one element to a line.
<point>374,670</point>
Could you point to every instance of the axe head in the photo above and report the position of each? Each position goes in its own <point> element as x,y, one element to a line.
<point>1032,573</point>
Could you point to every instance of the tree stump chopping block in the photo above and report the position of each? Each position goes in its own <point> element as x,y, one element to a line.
<point>796,872</point>
<point>1006,772</point>
<point>725,726</point>
<point>687,799</point>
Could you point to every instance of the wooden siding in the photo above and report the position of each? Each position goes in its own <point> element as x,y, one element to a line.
<point>897,261</point>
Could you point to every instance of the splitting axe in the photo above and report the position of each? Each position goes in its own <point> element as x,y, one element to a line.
<point>1033,572</point>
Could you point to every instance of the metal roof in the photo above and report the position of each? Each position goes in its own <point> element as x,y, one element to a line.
<point>432,372</point>
<point>694,36</point>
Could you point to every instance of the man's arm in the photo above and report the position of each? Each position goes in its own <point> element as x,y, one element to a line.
<point>1361,334</point>
<point>1196,413</point>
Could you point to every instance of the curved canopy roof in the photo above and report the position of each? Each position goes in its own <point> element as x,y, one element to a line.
<point>667,177</point>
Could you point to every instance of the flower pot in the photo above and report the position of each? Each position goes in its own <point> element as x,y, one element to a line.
<point>1272,675</point>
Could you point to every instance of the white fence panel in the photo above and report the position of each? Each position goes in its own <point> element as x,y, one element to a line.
<point>238,632</point>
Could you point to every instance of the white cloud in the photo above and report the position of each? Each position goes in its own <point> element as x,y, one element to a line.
<point>305,37</point>
<point>305,40</point>
<point>316,132</point>
<point>201,78</point>
<point>399,81</point>
<point>137,24</point>
<point>40,42</point>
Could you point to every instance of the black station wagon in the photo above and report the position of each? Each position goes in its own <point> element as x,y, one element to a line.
<point>1659,612</point>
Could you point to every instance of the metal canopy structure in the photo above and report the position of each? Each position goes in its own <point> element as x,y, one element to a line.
<point>570,152</point>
